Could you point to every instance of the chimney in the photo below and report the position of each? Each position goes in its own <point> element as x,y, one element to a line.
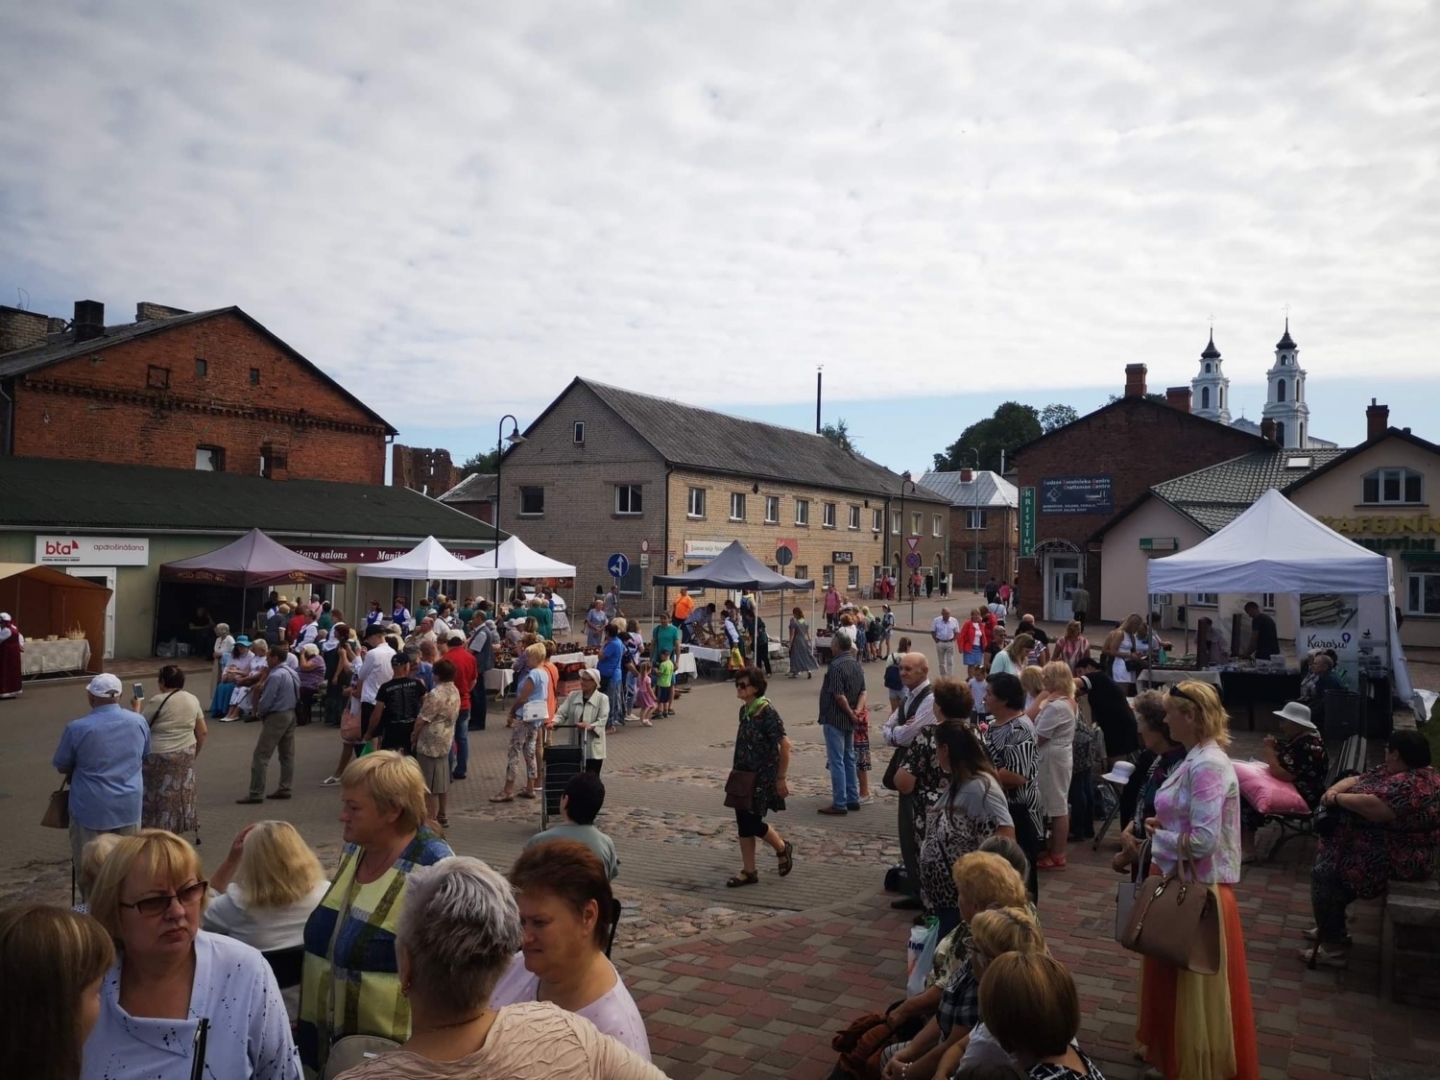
<point>1135,380</point>
<point>967,475</point>
<point>1178,397</point>
<point>1267,430</point>
<point>55,325</point>
<point>21,329</point>
<point>145,311</point>
<point>1377,420</point>
<point>89,320</point>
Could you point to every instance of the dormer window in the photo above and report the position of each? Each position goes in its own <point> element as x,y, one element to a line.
<point>1392,486</point>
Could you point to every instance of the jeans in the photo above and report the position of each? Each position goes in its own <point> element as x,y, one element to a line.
<point>278,731</point>
<point>460,751</point>
<point>613,687</point>
<point>840,760</point>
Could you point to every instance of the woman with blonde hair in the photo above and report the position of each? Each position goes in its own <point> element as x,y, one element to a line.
<point>1199,1026</point>
<point>170,976</point>
<point>532,711</point>
<point>1072,645</point>
<point>54,961</point>
<point>351,983</point>
<point>1032,678</point>
<point>1011,659</point>
<point>993,933</point>
<point>265,890</point>
<point>1055,736</point>
<point>1125,646</point>
<point>92,858</point>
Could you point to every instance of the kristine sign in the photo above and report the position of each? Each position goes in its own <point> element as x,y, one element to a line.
<point>92,550</point>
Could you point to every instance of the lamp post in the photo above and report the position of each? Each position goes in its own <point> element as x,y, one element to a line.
<point>904,531</point>
<point>500,437</point>
<point>979,517</point>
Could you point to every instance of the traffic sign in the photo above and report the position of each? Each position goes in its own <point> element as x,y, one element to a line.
<point>618,565</point>
<point>914,542</point>
<point>784,556</point>
<point>644,559</point>
<point>644,547</point>
<point>913,560</point>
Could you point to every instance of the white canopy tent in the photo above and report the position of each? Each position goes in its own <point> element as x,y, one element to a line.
<point>427,561</point>
<point>1276,547</point>
<point>516,560</point>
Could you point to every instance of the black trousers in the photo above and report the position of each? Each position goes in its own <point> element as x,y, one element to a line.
<point>909,844</point>
<point>1030,842</point>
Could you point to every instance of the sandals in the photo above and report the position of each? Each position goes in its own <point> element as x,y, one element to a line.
<point>444,823</point>
<point>527,794</point>
<point>786,857</point>
<point>502,798</point>
<point>745,877</point>
<point>1047,862</point>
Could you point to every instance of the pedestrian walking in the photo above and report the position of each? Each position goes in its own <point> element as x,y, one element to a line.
<point>802,650</point>
<point>757,782</point>
<point>842,702</point>
<point>177,734</point>
<point>944,630</point>
<point>276,712</point>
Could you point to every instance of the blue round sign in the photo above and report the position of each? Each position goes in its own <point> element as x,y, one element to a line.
<point>618,565</point>
<point>913,560</point>
<point>784,556</point>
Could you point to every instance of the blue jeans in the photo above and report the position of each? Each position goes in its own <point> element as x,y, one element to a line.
<point>460,750</point>
<point>840,760</point>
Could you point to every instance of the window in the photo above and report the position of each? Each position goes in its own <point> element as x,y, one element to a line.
<point>801,572</point>
<point>209,459</point>
<point>695,503</point>
<point>895,523</point>
<point>1279,434</point>
<point>630,584</point>
<point>1423,594</point>
<point>202,368</point>
<point>577,433</point>
<point>827,515</point>
<point>802,511</point>
<point>852,581</point>
<point>772,509</point>
<point>827,575</point>
<point>254,376</point>
<point>737,506</point>
<point>272,461</point>
<point>1204,599</point>
<point>1392,486</point>
<point>877,520</point>
<point>532,501</point>
<point>1205,393</point>
<point>628,499</point>
<point>157,378</point>
<point>937,525</point>
<point>1267,601</point>
<point>854,517</point>
<point>916,523</point>
<point>1280,390</point>
<point>977,560</point>
<point>976,520</point>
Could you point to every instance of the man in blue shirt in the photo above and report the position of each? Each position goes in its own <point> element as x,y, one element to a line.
<point>101,754</point>
<point>611,668</point>
<point>276,711</point>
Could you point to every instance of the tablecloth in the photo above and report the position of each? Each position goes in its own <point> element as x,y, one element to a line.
<point>1172,675</point>
<point>44,657</point>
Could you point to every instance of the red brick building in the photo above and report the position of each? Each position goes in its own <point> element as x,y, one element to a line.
<point>1089,472</point>
<point>209,390</point>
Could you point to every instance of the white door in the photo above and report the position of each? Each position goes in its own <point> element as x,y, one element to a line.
<point>1062,575</point>
<point>101,575</point>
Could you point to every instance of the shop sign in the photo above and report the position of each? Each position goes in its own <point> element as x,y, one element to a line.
<point>370,554</point>
<point>1384,524</point>
<point>1327,621</point>
<point>1159,543</point>
<point>63,550</point>
<point>842,556</point>
<point>704,550</point>
<point>1027,522</point>
<point>1076,495</point>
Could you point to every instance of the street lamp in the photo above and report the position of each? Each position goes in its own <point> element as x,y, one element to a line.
<point>904,527</point>
<point>500,437</point>
<point>979,516</point>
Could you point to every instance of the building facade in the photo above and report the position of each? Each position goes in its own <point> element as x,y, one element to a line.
<point>474,495</point>
<point>605,472</point>
<point>210,390</point>
<point>984,524</point>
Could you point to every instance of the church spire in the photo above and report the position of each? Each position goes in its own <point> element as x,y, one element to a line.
<point>1210,389</point>
<point>1286,342</point>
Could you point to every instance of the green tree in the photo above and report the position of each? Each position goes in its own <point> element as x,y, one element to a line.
<point>839,432</point>
<point>1159,399</point>
<point>482,461</point>
<point>1012,426</point>
<point>1057,415</point>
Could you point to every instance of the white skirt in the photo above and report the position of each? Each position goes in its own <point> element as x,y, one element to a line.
<point>1052,779</point>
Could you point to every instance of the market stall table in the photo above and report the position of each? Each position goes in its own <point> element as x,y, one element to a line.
<point>50,657</point>
<point>1158,676</point>
<point>1251,687</point>
<point>499,680</point>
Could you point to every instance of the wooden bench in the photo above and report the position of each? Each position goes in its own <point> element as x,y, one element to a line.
<point>1409,905</point>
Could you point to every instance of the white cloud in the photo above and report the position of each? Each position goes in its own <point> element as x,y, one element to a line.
<point>709,199</point>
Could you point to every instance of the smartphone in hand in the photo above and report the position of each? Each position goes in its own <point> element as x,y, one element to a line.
<point>139,690</point>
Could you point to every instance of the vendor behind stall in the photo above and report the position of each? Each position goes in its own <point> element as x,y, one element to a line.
<point>1264,638</point>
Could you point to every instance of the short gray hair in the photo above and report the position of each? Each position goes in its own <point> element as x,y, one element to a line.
<point>460,926</point>
<point>840,641</point>
<point>1010,851</point>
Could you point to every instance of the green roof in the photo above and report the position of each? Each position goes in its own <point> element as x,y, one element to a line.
<point>43,493</point>
<point>1215,496</point>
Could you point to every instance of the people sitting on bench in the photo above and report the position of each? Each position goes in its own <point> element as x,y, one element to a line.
<point>1317,680</point>
<point>1386,828</point>
<point>1297,757</point>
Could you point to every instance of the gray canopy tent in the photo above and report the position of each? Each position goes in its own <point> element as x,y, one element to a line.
<point>736,568</point>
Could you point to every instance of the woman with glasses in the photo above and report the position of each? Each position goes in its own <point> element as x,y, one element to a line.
<point>171,977</point>
<point>762,754</point>
<point>1195,1025</point>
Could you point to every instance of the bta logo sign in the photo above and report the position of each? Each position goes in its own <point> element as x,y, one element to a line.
<point>61,548</point>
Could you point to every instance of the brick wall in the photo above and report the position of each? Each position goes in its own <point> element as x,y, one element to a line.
<point>430,472</point>
<point>1138,444</point>
<point>110,406</point>
<point>999,540</point>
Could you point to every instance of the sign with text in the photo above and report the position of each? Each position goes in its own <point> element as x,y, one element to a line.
<point>704,550</point>
<point>1327,621</point>
<point>370,554</point>
<point>1027,522</point>
<point>842,556</point>
<point>1076,495</point>
<point>62,550</point>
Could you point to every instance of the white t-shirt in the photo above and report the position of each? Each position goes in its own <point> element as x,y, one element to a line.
<point>613,1013</point>
<point>263,928</point>
<point>375,671</point>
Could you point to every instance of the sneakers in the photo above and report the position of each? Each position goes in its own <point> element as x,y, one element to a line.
<point>330,781</point>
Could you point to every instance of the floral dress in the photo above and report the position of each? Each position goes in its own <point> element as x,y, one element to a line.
<point>921,763</point>
<point>1404,850</point>
<point>757,750</point>
<point>1305,758</point>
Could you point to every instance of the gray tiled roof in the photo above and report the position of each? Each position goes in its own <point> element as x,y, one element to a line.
<point>717,442</point>
<point>986,489</point>
<point>50,494</point>
<point>1215,496</point>
<point>477,487</point>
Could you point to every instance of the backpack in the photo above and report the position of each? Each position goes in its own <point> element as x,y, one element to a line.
<point>892,675</point>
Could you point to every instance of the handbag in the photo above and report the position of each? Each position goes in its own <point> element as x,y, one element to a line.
<point>897,762</point>
<point>1177,920</point>
<point>57,812</point>
<point>740,790</point>
<point>1127,892</point>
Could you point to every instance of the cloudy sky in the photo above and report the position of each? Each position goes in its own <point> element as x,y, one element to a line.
<point>457,207</point>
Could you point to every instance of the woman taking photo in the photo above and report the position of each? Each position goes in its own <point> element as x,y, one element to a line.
<point>351,983</point>
<point>457,936</point>
<point>1011,659</point>
<point>177,734</point>
<point>1190,1025</point>
<point>1126,647</point>
<point>170,974</point>
<point>54,961</point>
<point>802,649</point>
<point>565,909</point>
<point>762,754</point>
<point>1055,736</point>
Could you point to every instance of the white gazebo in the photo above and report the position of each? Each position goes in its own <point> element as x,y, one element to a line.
<point>427,561</point>
<point>515,560</point>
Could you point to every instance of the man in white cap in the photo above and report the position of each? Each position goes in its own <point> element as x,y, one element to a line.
<point>12,644</point>
<point>100,755</point>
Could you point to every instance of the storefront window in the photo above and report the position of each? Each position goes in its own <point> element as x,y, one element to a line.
<point>1423,594</point>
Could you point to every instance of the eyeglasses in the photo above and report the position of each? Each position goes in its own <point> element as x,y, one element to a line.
<point>743,686</point>
<point>152,906</point>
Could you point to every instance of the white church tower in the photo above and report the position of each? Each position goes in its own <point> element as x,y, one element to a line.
<point>1285,402</point>
<point>1210,390</point>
